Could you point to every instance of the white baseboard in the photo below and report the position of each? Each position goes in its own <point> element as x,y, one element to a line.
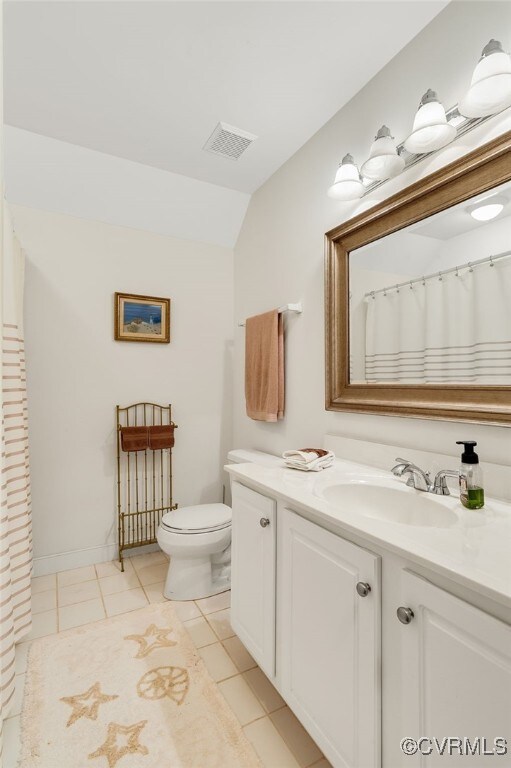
<point>78,558</point>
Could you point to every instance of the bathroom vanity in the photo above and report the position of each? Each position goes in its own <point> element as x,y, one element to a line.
<point>378,612</point>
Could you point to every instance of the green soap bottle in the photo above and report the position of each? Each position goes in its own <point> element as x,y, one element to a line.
<point>471,477</point>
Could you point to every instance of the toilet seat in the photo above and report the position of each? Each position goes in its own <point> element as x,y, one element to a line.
<point>201,518</point>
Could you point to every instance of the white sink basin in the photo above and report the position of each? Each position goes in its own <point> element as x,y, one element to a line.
<point>393,504</point>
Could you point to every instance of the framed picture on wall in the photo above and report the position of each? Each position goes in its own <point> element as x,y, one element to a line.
<point>141,318</point>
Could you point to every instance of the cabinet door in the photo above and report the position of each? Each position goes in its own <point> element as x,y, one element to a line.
<point>329,640</point>
<point>456,674</point>
<point>253,574</point>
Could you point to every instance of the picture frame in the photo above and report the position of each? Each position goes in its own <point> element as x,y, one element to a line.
<point>141,318</point>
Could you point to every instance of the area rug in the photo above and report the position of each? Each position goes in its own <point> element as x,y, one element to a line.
<point>127,692</point>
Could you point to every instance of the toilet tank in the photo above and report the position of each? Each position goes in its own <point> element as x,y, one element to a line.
<point>244,455</point>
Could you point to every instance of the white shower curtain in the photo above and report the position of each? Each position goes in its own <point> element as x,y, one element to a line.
<point>15,517</point>
<point>453,330</point>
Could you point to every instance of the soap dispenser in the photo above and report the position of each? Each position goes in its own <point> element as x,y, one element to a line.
<point>471,477</point>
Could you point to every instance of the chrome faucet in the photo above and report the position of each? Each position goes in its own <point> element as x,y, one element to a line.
<point>418,479</point>
<point>440,484</point>
<point>421,480</point>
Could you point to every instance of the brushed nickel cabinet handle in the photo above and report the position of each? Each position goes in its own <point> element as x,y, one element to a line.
<point>405,615</point>
<point>363,588</point>
<point>264,522</point>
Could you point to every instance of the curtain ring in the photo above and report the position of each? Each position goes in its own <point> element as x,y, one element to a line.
<point>384,291</point>
<point>470,266</point>
<point>457,272</point>
<point>440,277</point>
<point>423,281</point>
<point>411,286</point>
<point>491,262</point>
<point>372,295</point>
<point>397,287</point>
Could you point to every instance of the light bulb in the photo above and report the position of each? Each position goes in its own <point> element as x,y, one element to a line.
<point>383,161</point>
<point>347,184</point>
<point>431,130</point>
<point>490,88</point>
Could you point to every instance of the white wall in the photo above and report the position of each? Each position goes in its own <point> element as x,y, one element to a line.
<point>77,373</point>
<point>280,251</point>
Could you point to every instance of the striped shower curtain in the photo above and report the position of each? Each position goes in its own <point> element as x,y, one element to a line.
<point>455,328</point>
<point>15,519</point>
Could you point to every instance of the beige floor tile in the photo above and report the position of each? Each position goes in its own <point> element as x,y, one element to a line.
<point>17,699</point>
<point>122,602</point>
<point>21,657</point>
<point>264,690</point>
<point>12,741</point>
<point>121,582</point>
<point>200,632</point>
<point>269,745</point>
<point>323,763</point>
<point>221,623</point>
<point>81,613</point>
<point>112,568</point>
<point>76,576</point>
<point>42,583</point>
<point>43,624</point>
<point>44,601</point>
<point>154,592</point>
<point>296,737</point>
<point>151,558</point>
<point>186,609</point>
<point>218,662</point>
<point>215,602</point>
<point>152,574</point>
<point>239,653</point>
<point>77,593</point>
<point>241,699</point>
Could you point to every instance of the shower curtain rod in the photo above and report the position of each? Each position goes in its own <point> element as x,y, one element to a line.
<point>286,308</point>
<point>440,274</point>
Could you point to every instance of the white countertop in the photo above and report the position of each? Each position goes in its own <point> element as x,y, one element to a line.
<point>475,551</point>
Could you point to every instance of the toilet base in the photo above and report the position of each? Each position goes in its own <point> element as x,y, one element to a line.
<point>195,578</point>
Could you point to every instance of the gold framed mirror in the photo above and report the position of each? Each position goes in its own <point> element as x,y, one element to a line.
<point>418,297</point>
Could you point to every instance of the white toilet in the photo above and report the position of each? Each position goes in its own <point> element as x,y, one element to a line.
<point>198,541</point>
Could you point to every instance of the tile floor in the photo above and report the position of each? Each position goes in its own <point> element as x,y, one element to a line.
<point>73,598</point>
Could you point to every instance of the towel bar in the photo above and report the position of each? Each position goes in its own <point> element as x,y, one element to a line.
<point>296,308</point>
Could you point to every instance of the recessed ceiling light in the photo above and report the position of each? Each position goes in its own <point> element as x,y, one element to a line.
<point>487,209</point>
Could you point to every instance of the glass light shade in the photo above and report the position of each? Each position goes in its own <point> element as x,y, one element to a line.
<point>347,184</point>
<point>490,88</point>
<point>488,209</point>
<point>383,161</point>
<point>430,128</point>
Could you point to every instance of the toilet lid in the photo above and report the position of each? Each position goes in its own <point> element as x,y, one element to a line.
<point>198,519</point>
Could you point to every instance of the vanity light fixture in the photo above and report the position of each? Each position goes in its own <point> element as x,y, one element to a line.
<point>347,184</point>
<point>383,161</point>
<point>490,88</point>
<point>488,209</point>
<point>431,130</point>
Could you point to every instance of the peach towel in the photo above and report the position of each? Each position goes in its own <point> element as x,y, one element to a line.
<point>264,367</point>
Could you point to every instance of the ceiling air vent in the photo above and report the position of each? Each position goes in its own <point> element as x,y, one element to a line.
<point>228,141</point>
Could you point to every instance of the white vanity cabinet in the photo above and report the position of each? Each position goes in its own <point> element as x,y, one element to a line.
<point>253,574</point>
<point>455,671</point>
<point>328,629</point>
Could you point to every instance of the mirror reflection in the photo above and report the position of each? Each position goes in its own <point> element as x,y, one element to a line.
<point>431,303</point>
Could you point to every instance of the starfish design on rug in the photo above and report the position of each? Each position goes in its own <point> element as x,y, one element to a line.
<point>153,638</point>
<point>87,704</point>
<point>114,751</point>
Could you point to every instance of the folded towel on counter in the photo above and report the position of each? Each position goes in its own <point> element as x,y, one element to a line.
<point>308,459</point>
<point>134,439</point>
<point>161,437</point>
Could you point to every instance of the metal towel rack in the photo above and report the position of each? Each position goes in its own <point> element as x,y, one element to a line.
<point>144,479</point>
<point>296,308</point>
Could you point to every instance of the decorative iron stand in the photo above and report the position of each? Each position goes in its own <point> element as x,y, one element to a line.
<point>144,479</point>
